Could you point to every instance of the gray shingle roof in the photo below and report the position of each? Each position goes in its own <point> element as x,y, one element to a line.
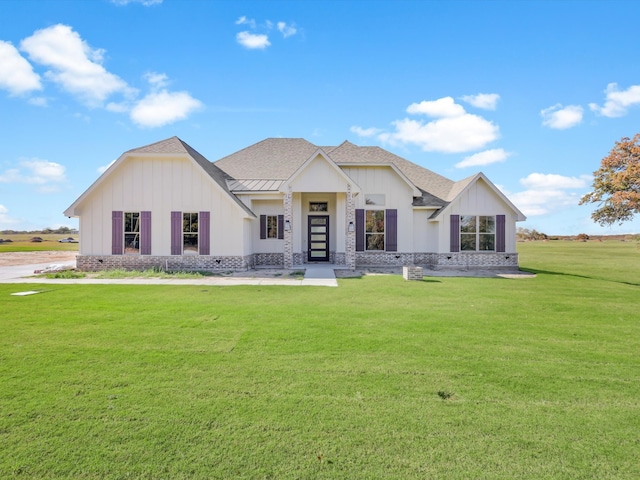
<point>279,158</point>
<point>435,187</point>
<point>177,146</point>
<point>273,158</point>
<point>266,164</point>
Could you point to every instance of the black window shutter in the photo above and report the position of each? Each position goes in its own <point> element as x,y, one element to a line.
<point>391,229</point>
<point>500,233</point>
<point>263,227</point>
<point>359,230</point>
<point>280,227</point>
<point>454,240</point>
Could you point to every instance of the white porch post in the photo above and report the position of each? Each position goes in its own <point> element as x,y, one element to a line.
<point>288,233</point>
<point>350,238</point>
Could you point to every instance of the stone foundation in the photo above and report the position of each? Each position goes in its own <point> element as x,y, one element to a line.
<point>92,263</point>
<point>439,261</point>
<point>432,261</point>
<point>268,260</point>
<point>475,261</point>
<point>383,259</point>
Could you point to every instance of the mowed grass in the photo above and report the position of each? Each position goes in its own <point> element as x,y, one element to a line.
<point>21,242</point>
<point>380,378</point>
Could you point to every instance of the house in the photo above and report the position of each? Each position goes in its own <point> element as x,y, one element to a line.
<point>285,202</point>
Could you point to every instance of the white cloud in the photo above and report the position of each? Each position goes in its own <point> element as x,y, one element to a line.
<point>157,80</point>
<point>548,193</point>
<point>287,30</point>
<point>159,107</point>
<point>484,158</point>
<point>36,172</point>
<point>464,133</point>
<point>163,107</point>
<point>365,132</point>
<point>443,107</point>
<point>243,20</point>
<point>453,131</point>
<point>487,101</point>
<point>16,74</point>
<point>253,40</point>
<point>560,117</point>
<point>551,180</point>
<point>38,101</point>
<point>617,101</point>
<point>75,66</point>
<point>115,107</point>
<point>5,219</point>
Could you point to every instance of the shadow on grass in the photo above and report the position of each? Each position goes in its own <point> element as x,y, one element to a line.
<point>576,275</point>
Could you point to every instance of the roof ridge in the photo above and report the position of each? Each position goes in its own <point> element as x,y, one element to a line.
<point>167,141</point>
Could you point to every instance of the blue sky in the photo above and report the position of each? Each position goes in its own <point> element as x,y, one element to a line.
<point>534,94</point>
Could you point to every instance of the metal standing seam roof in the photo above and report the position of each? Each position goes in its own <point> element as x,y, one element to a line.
<point>244,185</point>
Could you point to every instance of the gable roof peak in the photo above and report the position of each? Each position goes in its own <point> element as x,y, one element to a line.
<point>168,145</point>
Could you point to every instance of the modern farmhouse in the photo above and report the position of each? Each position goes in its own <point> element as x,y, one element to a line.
<point>285,202</point>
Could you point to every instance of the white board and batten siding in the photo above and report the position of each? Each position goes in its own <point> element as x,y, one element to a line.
<point>160,185</point>
<point>478,199</point>
<point>398,194</point>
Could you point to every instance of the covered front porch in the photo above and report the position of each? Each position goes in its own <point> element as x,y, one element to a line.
<point>319,229</point>
<point>319,215</point>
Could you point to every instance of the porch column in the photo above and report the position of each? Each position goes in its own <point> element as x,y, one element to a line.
<point>288,233</point>
<point>350,229</point>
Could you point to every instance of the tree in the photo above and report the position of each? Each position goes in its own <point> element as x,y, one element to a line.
<point>616,184</point>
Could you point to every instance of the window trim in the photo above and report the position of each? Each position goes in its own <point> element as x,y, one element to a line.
<point>368,234</point>
<point>191,233</point>
<point>264,231</point>
<point>477,234</point>
<point>135,219</point>
<point>272,227</point>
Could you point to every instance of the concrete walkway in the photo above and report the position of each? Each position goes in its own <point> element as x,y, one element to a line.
<point>320,276</point>
<point>315,276</point>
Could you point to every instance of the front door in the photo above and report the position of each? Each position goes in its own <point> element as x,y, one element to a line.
<point>318,235</point>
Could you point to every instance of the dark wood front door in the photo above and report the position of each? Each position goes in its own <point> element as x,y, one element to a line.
<point>318,235</point>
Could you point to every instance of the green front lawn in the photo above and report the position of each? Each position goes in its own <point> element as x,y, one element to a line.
<point>379,378</point>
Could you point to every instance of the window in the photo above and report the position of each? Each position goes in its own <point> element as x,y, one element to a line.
<point>374,229</point>
<point>132,233</point>
<point>272,226</point>
<point>477,233</point>
<point>189,233</point>
<point>318,207</point>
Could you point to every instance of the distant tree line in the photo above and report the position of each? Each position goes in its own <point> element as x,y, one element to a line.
<point>526,234</point>
<point>60,230</point>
